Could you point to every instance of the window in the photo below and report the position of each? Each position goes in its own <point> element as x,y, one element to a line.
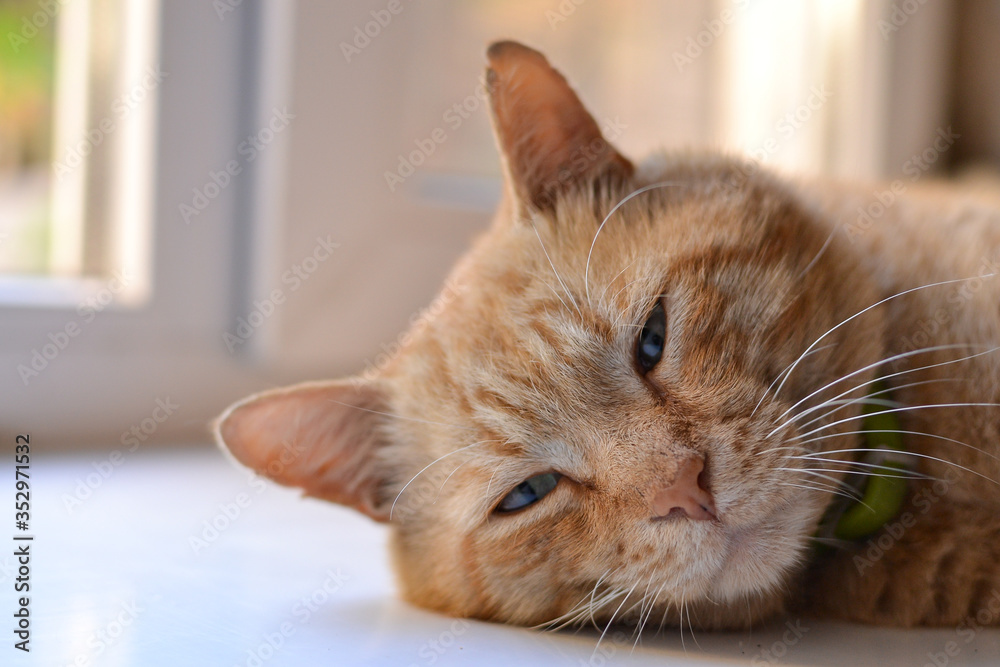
<point>125,302</point>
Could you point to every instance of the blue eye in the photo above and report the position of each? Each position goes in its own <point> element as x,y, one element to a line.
<point>649,346</point>
<point>528,492</point>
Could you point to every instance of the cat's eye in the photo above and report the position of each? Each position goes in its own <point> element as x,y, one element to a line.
<point>528,492</point>
<point>649,346</point>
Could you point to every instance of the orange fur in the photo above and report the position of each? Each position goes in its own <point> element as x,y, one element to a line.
<point>531,368</point>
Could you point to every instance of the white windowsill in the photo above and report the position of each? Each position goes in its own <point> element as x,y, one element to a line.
<point>124,554</point>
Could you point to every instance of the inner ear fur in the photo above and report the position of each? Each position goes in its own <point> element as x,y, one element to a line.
<point>548,141</point>
<point>323,437</point>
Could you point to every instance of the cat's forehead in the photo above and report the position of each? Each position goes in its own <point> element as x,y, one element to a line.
<point>538,330</point>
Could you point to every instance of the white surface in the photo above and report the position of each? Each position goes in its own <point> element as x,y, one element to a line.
<point>124,554</point>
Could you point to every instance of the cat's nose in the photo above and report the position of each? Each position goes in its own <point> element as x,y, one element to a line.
<point>686,493</point>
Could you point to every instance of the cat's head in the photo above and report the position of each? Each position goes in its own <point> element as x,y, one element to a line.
<point>591,419</point>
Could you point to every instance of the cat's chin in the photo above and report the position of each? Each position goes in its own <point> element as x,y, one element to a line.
<point>755,562</point>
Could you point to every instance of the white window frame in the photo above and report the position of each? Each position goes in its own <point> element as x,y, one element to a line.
<point>226,66</point>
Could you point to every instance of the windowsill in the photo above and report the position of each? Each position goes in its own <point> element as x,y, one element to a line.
<point>119,575</point>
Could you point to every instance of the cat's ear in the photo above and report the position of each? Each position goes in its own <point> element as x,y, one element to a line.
<point>322,437</point>
<point>548,141</point>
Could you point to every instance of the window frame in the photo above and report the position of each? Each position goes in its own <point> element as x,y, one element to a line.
<point>97,365</point>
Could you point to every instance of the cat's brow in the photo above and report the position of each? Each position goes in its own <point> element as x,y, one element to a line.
<point>632,195</point>
<point>558,277</point>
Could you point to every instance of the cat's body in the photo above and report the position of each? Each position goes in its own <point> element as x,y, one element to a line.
<point>945,568</point>
<point>544,455</point>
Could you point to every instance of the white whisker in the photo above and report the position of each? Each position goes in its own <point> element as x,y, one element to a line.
<point>781,374</point>
<point>868,399</point>
<point>869,367</point>
<point>441,458</point>
<point>611,622</point>
<point>894,410</point>
<point>565,289</point>
<point>636,193</point>
<point>865,310</point>
<point>918,455</point>
<point>929,435</point>
<point>819,254</point>
<point>600,299</point>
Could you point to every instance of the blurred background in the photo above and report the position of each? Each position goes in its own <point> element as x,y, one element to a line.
<point>203,199</point>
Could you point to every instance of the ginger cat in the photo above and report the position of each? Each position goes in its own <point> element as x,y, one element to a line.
<point>647,394</point>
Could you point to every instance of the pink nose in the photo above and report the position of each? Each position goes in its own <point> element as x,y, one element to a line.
<point>685,493</point>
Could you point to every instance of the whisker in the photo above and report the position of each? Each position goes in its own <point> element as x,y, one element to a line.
<point>865,310</point>
<point>600,299</point>
<point>869,367</point>
<point>490,483</point>
<point>649,614</point>
<point>929,435</point>
<point>918,455</point>
<point>780,375</point>
<point>441,458</point>
<point>556,295</point>
<point>565,289</point>
<point>819,254</point>
<point>822,488</point>
<point>441,488</point>
<point>683,609</point>
<point>636,193</point>
<point>623,312</point>
<point>611,622</point>
<point>594,592</point>
<point>819,473</point>
<point>887,471</point>
<point>867,399</point>
<point>893,410</point>
<point>693,636</point>
<point>840,404</point>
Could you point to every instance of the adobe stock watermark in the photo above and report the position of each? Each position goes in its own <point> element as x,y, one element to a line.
<point>432,649</point>
<point>959,296</point>
<point>363,34</point>
<point>453,118</point>
<point>301,613</point>
<point>120,109</point>
<point>248,150</point>
<point>225,7</point>
<point>894,530</point>
<point>110,634</point>
<point>163,409</point>
<point>7,569</point>
<point>230,512</point>
<point>785,128</point>
<point>899,16</point>
<point>30,25</point>
<point>914,168</point>
<point>562,12</point>
<point>773,654</point>
<point>87,311</point>
<point>417,323</point>
<point>699,43</point>
<point>581,160</point>
<point>966,631</point>
<point>292,279</point>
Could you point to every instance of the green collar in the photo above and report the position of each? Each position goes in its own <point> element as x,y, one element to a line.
<point>883,490</point>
